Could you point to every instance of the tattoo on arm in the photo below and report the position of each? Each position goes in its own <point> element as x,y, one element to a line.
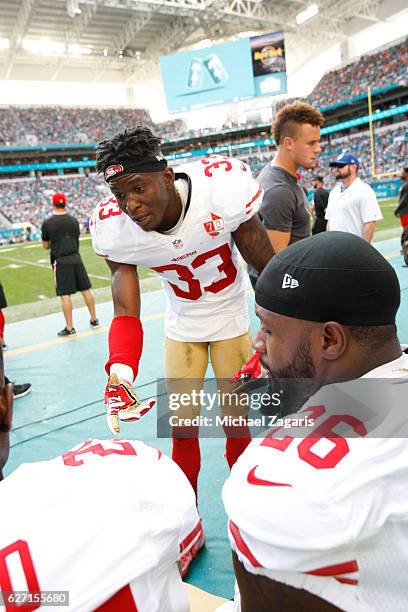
<point>253,243</point>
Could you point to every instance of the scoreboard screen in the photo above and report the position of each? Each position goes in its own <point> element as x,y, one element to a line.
<point>227,72</point>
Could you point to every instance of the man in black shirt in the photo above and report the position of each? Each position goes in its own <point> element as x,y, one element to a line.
<point>60,233</point>
<point>320,199</point>
<point>402,209</point>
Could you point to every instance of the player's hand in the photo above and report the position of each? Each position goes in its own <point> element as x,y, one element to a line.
<point>122,403</point>
<point>250,369</point>
<point>251,374</point>
<point>395,212</point>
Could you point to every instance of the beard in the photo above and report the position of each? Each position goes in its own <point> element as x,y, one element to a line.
<point>339,176</point>
<point>295,383</point>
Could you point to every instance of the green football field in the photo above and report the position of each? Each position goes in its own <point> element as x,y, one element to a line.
<point>26,274</point>
<point>390,220</point>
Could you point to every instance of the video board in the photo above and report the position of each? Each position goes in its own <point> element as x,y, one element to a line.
<point>228,72</point>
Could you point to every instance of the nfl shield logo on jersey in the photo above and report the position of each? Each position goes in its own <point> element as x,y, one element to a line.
<point>215,226</point>
<point>177,243</point>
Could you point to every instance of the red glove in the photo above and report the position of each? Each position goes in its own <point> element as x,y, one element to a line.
<point>250,370</point>
<point>123,403</point>
<point>251,374</point>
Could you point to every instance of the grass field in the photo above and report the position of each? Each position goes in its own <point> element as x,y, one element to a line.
<point>390,220</point>
<point>26,274</point>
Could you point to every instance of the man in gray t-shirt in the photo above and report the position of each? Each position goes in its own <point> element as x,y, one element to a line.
<point>284,209</point>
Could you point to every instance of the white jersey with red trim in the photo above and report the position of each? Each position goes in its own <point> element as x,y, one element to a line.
<point>106,514</point>
<point>330,514</point>
<point>199,265</point>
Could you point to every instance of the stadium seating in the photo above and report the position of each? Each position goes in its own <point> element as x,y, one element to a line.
<point>391,149</point>
<point>30,126</point>
<point>21,126</point>
<point>386,68</point>
<point>29,200</point>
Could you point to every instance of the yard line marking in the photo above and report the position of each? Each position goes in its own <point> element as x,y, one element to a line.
<point>40,265</point>
<point>78,336</point>
<point>23,261</point>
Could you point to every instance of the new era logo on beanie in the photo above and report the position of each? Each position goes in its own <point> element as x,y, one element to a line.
<point>289,282</point>
<point>341,278</point>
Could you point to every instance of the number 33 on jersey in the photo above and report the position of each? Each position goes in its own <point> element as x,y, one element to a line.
<point>199,264</point>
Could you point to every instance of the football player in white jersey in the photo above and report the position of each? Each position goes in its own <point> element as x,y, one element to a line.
<point>105,527</point>
<point>318,515</point>
<point>104,530</point>
<point>190,226</point>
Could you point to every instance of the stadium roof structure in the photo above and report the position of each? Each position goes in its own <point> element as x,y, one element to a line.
<point>122,40</point>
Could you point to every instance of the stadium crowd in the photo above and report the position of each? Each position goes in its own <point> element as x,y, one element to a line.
<point>353,500</point>
<point>29,200</point>
<point>57,125</point>
<point>21,126</point>
<point>390,145</point>
<point>390,148</point>
<point>385,68</point>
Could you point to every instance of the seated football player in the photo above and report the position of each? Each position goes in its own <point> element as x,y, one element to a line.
<point>109,525</point>
<point>318,515</point>
<point>106,531</point>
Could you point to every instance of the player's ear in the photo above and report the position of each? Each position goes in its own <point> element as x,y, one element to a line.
<point>168,175</point>
<point>333,340</point>
<point>288,143</point>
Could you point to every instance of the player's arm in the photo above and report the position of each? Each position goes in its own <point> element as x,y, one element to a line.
<point>370,212</point>
<point>253,243</point>
<point>263,594</point>
<point>277,211</point>
<point>46,242</point>
<point>368,230</point>
<point>125,348</point>
<point>279,240</point>
<point>125,289</point>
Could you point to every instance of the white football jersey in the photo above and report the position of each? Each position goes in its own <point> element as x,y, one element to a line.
<point>330,514</point>
<point>200,266</point>
<point>106,514</point>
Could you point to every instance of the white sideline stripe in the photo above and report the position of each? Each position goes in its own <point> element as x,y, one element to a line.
<point>34,245</point>
<point>40,265</point>
<point>78,336</point>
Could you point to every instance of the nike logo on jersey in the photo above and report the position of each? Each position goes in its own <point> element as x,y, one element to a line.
<point>260,482</point>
